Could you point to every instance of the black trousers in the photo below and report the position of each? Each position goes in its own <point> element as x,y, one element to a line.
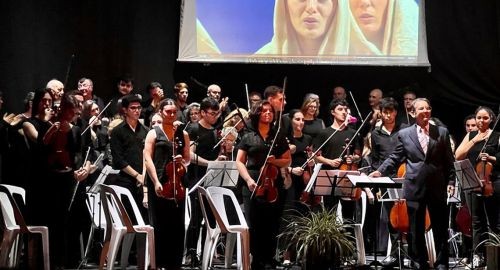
<point>416,237</point>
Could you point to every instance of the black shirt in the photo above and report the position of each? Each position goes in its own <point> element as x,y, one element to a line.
<point>383,145</point>
<point>335,146</point>
<point>127,146</point>
<point>257,148</point>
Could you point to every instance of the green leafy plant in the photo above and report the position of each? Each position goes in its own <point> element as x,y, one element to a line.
<point>318,235</point>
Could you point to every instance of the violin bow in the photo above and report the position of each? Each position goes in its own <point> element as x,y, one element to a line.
<point>354,136</point>
<point>274,139</point>
<point>68,70</point>
<point>355,104</point>
<point>248,97</point>
<point>95,119</point>
<point>321,146</point>
<point>78,182</point>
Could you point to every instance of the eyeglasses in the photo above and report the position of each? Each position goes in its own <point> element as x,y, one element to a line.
<point>267,111</point>
<point>212,113</point>
<point>135,108</point>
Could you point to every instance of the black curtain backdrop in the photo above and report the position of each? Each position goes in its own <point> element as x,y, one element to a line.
<point>113,37</point>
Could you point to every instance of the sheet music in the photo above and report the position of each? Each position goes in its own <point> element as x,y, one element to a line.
<point>365,179</point>
<point>222,174</point>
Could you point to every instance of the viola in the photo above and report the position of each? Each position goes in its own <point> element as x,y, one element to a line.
<point>173,189</point>
<point>266,189</point>
<point>483,170</point>
<point>399,217</point>
<point>344,166</point>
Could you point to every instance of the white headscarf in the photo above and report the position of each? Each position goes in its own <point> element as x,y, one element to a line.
<point>400,33</point>
<point>285,41</point>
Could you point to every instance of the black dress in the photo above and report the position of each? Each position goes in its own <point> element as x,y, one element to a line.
<point>166,216</point>
<point>263,217</point>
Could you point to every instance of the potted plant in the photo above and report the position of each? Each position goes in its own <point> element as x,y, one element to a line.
<point>492,247</point>
<point>320,238</point>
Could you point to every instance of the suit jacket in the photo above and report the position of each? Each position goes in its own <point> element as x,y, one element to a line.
<point>426,174</point>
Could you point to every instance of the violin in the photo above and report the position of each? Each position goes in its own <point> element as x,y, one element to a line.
<point>483,170</point>
<point>266,190</point>
<point>306,197</point>
<point>173,189</point>
<point>59,157</point>
<point>344,166</point>
<point>399,217</point>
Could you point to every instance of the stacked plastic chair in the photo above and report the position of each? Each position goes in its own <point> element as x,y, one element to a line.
<point>212,203</point>
<point>120,230</point>
<point>14,226</point>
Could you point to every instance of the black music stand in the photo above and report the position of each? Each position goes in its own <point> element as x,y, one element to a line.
<point>394,195</point>
<point>222,174</point>
<point>364,181</point>
<point>92,191</point>
<point>470,183</point>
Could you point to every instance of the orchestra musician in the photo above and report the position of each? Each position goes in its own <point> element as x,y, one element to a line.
<point>166,215</point>
<point>383,140</point>
<point>256,158</point>
<point>34,128</point>
<point>330,153</point>
<point>203,136</point>
<point>67,165</point>
<point>429,175</point>
<point>127,145</point>
<point>482,146</point>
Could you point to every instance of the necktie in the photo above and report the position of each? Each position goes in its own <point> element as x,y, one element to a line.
<point>423,139</point>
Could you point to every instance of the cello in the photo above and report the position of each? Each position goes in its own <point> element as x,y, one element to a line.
<point>398,215</point>
<point>173,189</point>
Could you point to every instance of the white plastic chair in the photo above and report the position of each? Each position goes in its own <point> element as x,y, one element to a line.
<point>212,228</point>
<point>358,230</point>
<point>121,230</point>
<point>93,203</point>
<point>14,225</point>
<point>215,198</point>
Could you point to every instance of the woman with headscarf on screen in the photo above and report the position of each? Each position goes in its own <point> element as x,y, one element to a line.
<point>308,27</point>
<point>383,27</point>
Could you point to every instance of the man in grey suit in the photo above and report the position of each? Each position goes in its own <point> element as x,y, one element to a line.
<point>429,176</point>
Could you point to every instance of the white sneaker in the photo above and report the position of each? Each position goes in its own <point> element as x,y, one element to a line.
<point>477,261</point>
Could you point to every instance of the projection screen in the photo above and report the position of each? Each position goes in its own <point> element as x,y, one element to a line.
<point>344,32</point>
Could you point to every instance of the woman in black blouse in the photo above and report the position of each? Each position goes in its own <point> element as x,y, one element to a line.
<point>312,124</point>
<point>485,211</point>
<point>263,216</point>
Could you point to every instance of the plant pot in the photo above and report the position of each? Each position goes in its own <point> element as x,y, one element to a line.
<point>492,256</point>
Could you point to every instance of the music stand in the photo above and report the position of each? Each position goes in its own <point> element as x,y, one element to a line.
<point>331,182</point>
<point>467,176</point>
<point>107,170</point>
<point>393,194</point>
<point>470,183</point>
<point>92,191</point>
<point>222,174</point>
